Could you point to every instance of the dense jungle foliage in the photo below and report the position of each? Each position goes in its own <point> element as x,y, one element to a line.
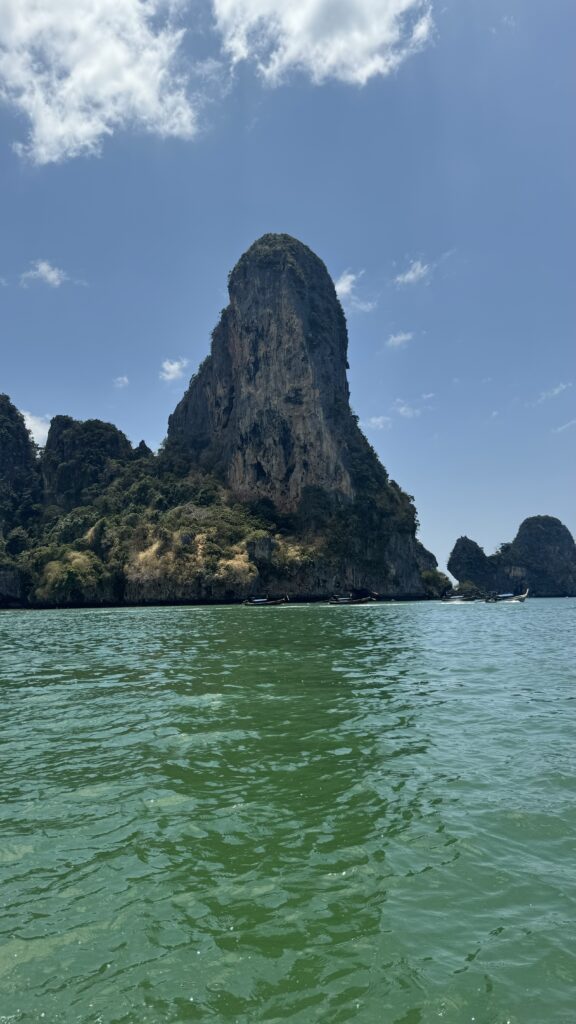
<point>91,520</point>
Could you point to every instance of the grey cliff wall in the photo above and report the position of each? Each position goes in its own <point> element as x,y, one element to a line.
<point>269,409</point>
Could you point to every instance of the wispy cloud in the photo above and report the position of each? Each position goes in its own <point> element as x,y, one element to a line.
<point>378,423</point>
<point>545,396</point>
<point>345,284</point>
<point>408,412</point>
<point>42,270</point>
<point>3,282</point>
<point>80,71</point>
<point>416,272</point>
<point>173,369</point>
<point>400,339</point>
<point>346,291</point>
<point>565,426</point>
<point>120,382</point>
<point>351,41</point>
<point>428,395</point>
<point>38,426</point>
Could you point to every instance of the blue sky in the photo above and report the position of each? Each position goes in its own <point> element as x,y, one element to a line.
<point>425,152</point>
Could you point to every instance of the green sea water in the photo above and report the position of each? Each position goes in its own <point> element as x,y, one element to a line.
<point>304,813</point>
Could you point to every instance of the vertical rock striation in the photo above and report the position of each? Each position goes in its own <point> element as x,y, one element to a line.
<point>268,413</point>
<point>269,409</point>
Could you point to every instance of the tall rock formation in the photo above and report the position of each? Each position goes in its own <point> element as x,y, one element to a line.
<point>269,409</point>
<point>542,557</point>
<point>268,413</point>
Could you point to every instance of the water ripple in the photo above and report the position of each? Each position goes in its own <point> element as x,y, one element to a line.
<point>312,814</point>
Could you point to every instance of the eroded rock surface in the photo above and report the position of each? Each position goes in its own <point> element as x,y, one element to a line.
<point>269,409</point>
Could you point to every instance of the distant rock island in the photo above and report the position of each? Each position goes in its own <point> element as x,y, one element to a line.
<point>265,483</point>
<point>542,557</point>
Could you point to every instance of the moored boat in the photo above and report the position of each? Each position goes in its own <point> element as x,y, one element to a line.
<point>265,602</point>
<point>507,598</point>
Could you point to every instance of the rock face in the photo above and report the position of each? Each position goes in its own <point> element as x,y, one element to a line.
<point>542,557</point>
<point>268,410</point>
<point>468,563</point>
<point>19,475</point>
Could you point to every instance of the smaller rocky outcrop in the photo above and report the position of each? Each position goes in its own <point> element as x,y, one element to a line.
<point>468,563</point>
<point>79,457</point>
<point>542,557</point>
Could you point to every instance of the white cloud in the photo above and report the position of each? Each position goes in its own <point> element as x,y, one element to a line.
<point>552,393</point>
<point>37,425</point>
<point>400,339</point>
<point>429,394</point>
<point>348,40</point>
<point>120,382</point>
<point>81,69</point>
<point>3,282</point>
<point>43,271</point>
<point>379,423</point>
<point>346,291</point>
<point>565,426</point>
<point>409,412</point>
<point>345,283</point>
<point>417,271</point>
<point>173,369</point>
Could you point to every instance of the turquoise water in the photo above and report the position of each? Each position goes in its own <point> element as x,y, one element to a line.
<point>306,814</point>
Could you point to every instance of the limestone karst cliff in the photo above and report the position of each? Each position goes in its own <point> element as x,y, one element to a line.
<point>542,557</point>
<point>269,408</point>
<point>265,482</point>
<point>268,413</point>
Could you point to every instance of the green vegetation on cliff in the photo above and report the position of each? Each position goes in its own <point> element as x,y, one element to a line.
<point>20,491</point>
<point>109,524</point>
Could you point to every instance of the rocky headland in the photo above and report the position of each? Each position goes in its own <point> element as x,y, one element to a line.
<point>542,557</point>
<point>265,483</point>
